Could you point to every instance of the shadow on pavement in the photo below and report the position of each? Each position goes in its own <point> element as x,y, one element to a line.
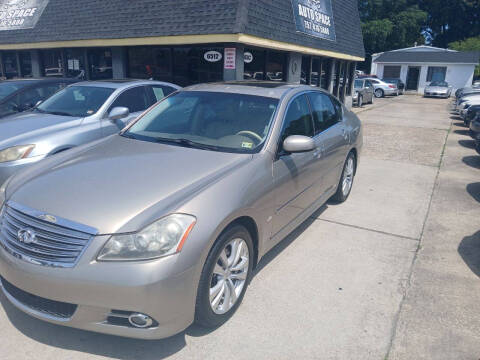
<point>125,348</point>
<point>473,161</point>
<point>474,190</point>
<point>470,144</point>
<point>461,132</point>
<point>469,250</point>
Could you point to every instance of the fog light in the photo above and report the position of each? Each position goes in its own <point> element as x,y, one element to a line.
<point>140,320</point>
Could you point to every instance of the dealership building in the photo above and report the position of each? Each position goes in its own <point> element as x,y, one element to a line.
<point>315,42</point>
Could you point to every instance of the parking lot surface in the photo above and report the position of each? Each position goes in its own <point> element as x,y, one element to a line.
<point>392,273</point>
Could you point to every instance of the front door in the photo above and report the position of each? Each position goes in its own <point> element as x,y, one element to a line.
<point>294,174</point>
<point>412,77</point>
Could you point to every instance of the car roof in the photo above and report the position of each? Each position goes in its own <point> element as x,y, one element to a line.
<point>272,89</point>
<point>122,83</point>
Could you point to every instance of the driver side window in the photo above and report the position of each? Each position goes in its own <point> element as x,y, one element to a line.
<point>298,119</point>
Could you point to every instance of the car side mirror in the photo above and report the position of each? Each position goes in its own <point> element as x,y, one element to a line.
<point>119,112</point>
<point>298,144</point>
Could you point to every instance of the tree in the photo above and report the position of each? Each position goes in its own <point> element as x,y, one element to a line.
<point>390,24</point>
<point>470,44</point>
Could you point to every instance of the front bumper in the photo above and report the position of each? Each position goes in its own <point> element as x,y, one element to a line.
<point>436,94</point>
<point>96,288</point>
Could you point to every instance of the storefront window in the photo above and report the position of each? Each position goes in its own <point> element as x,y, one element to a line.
<point>351,74</point>
<point>254,65</point>
<point>191,67</point>
<point>100,63</point>
<point>25,63</point>
<point>150,62</point>
<point>275,67</point>
<point>325,74</point>
<point>316,72</point>
<point>342,81</point>
<point>336,77</point>
<point>10,64</point>
<point>307,70</point>
<point>52,63</point>
<point>75,63</point>
<point>436,73</point>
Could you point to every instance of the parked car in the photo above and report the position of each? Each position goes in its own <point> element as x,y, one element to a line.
<point>382,88</point>
<point>23,94</point>
<point>471,114</point>
<point>465,102</point>
<point>439,89</point>
<point>475,131</point>
<point>363,92</point>
<point>398,83</point>
<point>146,231</point>
<point>78,114</point>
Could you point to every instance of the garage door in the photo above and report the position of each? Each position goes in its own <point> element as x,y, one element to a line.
<point>391,72</point>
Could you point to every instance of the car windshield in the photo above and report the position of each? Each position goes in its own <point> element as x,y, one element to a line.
<point>76,101</point>
<point>439,83</point>
<point>208,120</point>
<point>8,88</point>
<point>358,84</point>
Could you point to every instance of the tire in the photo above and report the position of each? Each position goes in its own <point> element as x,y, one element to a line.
<point>379,93</point>
<point>349,167</point>
<point>205,315</point>
<point>360,101</point>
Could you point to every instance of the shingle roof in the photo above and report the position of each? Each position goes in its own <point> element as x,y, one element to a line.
<point>429,57</point>
<point>65,20</point>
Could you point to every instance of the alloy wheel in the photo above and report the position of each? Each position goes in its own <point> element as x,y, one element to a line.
<point>229,276</point>
<point>347,180</point>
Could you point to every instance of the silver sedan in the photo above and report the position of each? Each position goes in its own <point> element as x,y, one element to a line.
<point>76,115</point>
<point>145,232</point>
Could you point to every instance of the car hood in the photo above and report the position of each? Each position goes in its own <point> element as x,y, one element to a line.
<point>15,128</point>
<point>108,185</point>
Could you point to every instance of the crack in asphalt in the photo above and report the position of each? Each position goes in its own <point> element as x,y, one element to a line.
<point>412,265</point>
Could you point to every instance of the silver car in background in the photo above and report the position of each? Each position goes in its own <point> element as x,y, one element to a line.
<point>382,88</point>
<point>76,115</point>
<point>439,89</point>
<point>144,232</point>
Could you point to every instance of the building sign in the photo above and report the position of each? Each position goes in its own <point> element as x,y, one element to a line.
<point>20,14</point>
<point>248,57</point>
<point>315,18</point>
<point>212,56</point>
<point>230,54</point>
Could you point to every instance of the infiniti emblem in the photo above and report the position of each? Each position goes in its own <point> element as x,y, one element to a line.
<point>26,236</point>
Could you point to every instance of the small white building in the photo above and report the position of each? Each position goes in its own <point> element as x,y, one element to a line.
<point>418,66</point>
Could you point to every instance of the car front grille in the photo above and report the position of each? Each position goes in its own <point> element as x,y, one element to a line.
<point>56,243</point>
<point>45,306</point>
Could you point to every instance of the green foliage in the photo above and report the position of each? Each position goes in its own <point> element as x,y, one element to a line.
<point>470,44</point>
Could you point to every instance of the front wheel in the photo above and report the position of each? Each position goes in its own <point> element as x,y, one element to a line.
<point>346,180</point>
<point>378,93</point>
<point>224,277</point>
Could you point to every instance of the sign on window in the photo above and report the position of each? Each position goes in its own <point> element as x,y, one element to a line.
<point>315,18</point>
<point>20,14</point>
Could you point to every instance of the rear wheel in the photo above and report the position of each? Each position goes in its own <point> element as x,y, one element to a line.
<point>378,93</point>
<point>225,277</point>
<point>346,180</point>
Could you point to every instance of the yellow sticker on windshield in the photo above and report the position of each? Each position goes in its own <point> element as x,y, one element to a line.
<point>247,145</point>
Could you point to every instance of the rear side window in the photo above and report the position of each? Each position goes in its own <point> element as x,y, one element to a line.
<point>298,119</point>
<point>160,91</point>
<point>324,111</point>
<point>135,99</point>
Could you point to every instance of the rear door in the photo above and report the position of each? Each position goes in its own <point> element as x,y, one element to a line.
<point>331,136</point>
<point>294,174</point>
<point>369,89</point>
<point>136,99</point>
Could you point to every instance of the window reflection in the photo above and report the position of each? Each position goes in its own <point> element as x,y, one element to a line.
<point>52,63</point>
<point>191,67</point>
<point>150,62</point>
<point>75,63</point>
<point>25,63</point>
<point>275,66</point>
<point>100,63</point>
<point>10,64</point>
<point>254,65</point>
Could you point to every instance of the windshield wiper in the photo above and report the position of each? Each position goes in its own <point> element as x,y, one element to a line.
<point>187,143</point>
<point>59,113</point>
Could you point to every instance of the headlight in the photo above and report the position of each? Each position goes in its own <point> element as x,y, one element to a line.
<point>15,153</point>
<point>164,237</point>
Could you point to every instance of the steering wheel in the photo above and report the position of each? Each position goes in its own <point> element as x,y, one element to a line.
<point>251,134</point>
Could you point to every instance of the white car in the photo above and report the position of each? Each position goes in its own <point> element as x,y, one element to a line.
<point>382,88</point>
